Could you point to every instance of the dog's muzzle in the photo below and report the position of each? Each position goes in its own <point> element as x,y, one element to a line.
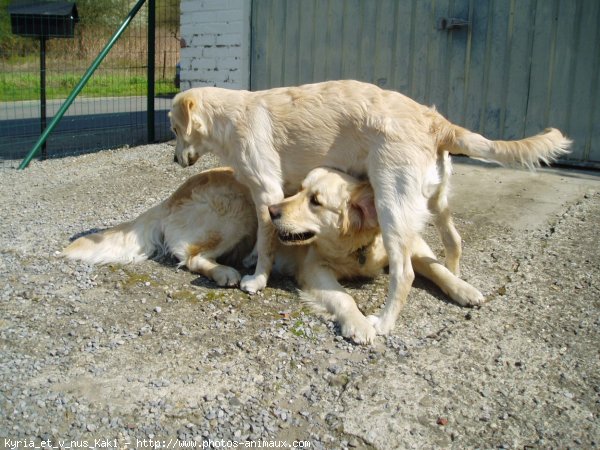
<point>295,238</point>
<point>187,157</point>
<point>288,237</point>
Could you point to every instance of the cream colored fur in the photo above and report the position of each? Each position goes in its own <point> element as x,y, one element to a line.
<point>333,219</point>
<point>210,214</point>
<point>273,138</point>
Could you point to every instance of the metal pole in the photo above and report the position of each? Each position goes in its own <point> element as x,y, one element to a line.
<point>43,92</point>
<point>151,68</point>
<point>61,112</point>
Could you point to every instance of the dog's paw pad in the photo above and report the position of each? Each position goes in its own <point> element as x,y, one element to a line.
<point>226,276</point>
<point>476,299</point>
<point>382,326</point>
<point>360,333</point>
<point>253,283</point>
<point>373,319</point>
<point>467,295</point>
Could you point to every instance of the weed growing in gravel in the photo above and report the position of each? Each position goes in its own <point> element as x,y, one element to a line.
<point>185,295</point>
<point>214,295</point>
<point>135,279</point>
<point>298,329</point>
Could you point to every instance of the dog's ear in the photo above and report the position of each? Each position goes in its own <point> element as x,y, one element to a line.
<point>362,213</point>
<point>187,107</point>
<point>191,117</point>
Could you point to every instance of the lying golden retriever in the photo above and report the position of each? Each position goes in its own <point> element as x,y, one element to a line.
<point>334,222</point>
<point>209,216</point>
<point>274,138</point>
<point>329,229</point>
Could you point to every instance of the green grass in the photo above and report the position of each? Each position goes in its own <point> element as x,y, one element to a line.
<point>26,86</point>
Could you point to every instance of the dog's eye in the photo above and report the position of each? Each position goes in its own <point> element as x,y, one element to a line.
<point>314,200</point>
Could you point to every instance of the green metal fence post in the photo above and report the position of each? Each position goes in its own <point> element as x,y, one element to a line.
<point>151,67</point>
<point>43,40</point>
<point>63,109</point>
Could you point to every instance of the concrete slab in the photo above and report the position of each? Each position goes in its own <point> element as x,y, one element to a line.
<point>515,197</point>
<point>147,350</point>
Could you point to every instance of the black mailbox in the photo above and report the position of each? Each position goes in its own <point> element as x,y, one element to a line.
<point>43,19</point>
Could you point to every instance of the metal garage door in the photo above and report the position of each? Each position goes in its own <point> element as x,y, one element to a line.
<point>506,68</point>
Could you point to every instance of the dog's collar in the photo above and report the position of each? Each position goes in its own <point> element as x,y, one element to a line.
<point>361,254</point>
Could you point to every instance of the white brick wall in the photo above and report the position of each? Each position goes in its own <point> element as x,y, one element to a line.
<point>217,43</point>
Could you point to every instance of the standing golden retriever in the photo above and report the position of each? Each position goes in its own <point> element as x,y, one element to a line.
<point>273,138</point>
<point>329,231</point>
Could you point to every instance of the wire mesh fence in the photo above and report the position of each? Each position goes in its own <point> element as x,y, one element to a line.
<point>111,111</point>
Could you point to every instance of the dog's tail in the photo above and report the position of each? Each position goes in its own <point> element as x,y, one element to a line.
<point>531,152</point>
<point>128,242</point>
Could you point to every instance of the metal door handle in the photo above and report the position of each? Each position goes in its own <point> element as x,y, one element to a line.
<point>451,23</point>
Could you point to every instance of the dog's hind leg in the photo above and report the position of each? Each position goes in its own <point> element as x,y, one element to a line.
<point>438,206</point>
<point>200,255</point>
<point>402,211</point>
<point>220,274</point>
<point>426,264</point>
<point>450,238</point>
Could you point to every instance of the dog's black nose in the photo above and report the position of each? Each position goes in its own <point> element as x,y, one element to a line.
<point>274,212</point>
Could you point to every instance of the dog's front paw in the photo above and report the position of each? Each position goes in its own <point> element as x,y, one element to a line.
<point>359,329</point>
<point>253,283</point>
<point>226,276</point>
<point>382,325</point>
<point>466,295</point>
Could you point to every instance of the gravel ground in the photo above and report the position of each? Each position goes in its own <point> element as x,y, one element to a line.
<point>152,352</point>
